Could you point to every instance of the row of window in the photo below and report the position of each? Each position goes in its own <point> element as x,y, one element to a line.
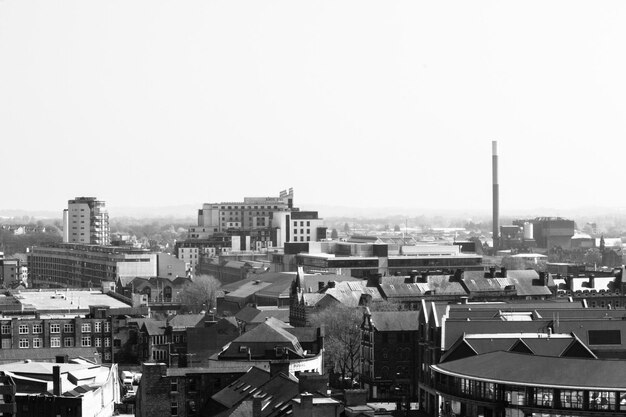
<point>56,328</point>
<point>55,342</point>
<point>295,224</point>
<point>295,231</point>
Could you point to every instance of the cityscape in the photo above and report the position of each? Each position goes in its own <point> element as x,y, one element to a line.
<point>310,209</point>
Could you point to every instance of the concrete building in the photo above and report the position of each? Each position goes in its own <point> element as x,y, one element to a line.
<point>86,220</point>
<point>80,265</point>
<point>77,388</point>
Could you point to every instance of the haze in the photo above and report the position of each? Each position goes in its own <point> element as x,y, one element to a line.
<point>352,103</point>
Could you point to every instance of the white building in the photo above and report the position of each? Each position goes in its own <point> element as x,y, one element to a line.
<point>86,220</point>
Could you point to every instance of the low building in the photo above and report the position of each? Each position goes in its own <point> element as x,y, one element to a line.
<point>77,388</point>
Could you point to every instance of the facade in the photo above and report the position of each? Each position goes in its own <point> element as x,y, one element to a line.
<point>251,213</point>
<point>389,365</point>
<point>45,337</point>
<point>86,221</point>
<point>11,273</point>
<point>79,265</point>
<point>502,384</point>
<point>182,392</point>
<point>78,388</point>
<point>553,231</point>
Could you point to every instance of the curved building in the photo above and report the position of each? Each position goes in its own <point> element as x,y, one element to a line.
<point>500,384</point>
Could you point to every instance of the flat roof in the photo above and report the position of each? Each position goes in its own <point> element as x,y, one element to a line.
<point>67,300</point>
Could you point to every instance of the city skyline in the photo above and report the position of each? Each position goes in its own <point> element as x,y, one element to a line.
<point>360,106</point>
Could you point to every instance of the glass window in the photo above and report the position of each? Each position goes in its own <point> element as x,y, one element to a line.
<point>68,342</point>
<point>107,326</point>
<point>174,408</point>
<point>85,327</point>
<point>622,400</point>
<point>55,328</point>
<point>601,400</point>
<point>571,399</point>
<point>6,344</point>
<point>543,397</point>
<point>97,327</point>
<point>37,343</point>
<point>85,341</point>
<point>68,328</point>
<point>6,329</point>
<point>37,328</point>
<point>107,342</point>
<point>24,343</point>
<point>55,342</point>
<point>515,395</point>
<point>174,385</point>
<point>23,329</point>
<point>107,356</point>
<point>98,342</point>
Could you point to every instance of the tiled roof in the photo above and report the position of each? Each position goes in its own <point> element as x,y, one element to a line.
<point>521,369</point>
<point>234,393</point>
<point>184,321</point>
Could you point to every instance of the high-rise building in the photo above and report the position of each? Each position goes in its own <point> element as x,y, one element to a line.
<point>86,220</point>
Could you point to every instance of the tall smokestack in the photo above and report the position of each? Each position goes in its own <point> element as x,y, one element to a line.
<point>496,196</point>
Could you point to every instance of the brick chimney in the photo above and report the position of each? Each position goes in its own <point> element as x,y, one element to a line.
<point>276,367</point>
<point>503,272</point>
<point>56,380</point>
<point>257,405</point>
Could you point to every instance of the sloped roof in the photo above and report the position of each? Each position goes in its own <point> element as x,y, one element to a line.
<point>154,327</point>
<point>349,293</point>
<point>397,287</point>
<point>385,321</point>
<point>521,369</point>
<point>234,393</point>
<point>267,332</point>
<point>247,313</point>
<point>184,321</point>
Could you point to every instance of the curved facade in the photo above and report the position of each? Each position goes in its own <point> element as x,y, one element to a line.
<point>506,384</point>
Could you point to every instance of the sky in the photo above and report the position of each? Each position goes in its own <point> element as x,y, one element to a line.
<point>351,103</point>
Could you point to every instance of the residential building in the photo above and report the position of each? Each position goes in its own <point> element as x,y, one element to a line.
<point>10,273</point>
<point>74,388</point>
<point>86,221</point>
<point>81,265</point>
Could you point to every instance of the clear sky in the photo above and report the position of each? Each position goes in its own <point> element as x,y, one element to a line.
<point>352,103</point>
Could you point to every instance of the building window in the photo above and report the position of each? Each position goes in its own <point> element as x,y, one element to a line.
<point>55,342</point>
<point>37,328</point>
<point>6,329</point>
<point>98,342</point>
<point>543,397</point>
<point>68,342</point>
<point>107,326</point>
<point>85,341</point>
<point>174,385</point>
<point>24,343</point>
<point>68,328</point>
<point>55,328</point>
<point>601,400</point>
<point>571,399</point>
<point>107,356</point>
<point>85,327</point>
<point>37,342</point>
<point>107,342</point>
<point>6,344</point>
<point>97,327</point>
<point>174,408</point>
<point>23,329</point>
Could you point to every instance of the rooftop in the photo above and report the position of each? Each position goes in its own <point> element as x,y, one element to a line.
<point>66,300</point>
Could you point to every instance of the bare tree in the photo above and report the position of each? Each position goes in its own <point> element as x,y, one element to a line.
<point>342,341</point>
<point>201,293</point>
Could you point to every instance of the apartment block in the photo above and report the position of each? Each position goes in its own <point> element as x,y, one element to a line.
<point>86,220</point>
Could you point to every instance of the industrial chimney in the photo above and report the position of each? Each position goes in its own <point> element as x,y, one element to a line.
<point>496,197</point>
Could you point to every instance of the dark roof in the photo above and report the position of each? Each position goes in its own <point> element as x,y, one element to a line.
<point>304,334</point>
<point>246,314</point>
<point>234,393</point>
<point>267,332</point>
<point>522,369</point>
<point>184,321</point>
<point>154,327</point>
<point>385,321</point>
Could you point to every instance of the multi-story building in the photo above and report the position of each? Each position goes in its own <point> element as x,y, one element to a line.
<point>86,220</point>
<point>251,213</point>
<point>389,365</point>
<point>44,337</point>
<point>81,265</point>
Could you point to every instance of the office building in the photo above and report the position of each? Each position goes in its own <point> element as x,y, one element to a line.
<point>80,265</point>
<point>86,220</point>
